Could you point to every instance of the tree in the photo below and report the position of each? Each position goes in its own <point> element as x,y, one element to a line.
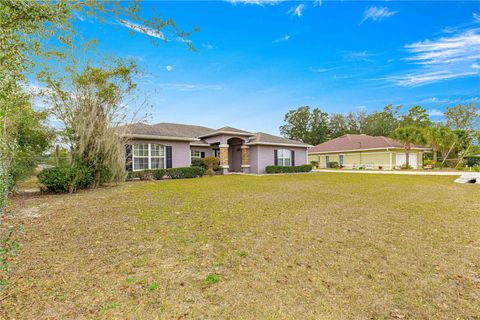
<point>408,136</point>
<point>338,125</point>
<point>308,126</point>
<point>416,116</point>
<point>32,32</point>
<point>446,140</point>
<point>356,122</point>
<point>91,105</point>
<point>440,137</point>
<point>462,117</point>
<point>381,123</point>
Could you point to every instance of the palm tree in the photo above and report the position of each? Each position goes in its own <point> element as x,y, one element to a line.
<point>447,138</point>
<point>408,136</point>
<point>433,135</point>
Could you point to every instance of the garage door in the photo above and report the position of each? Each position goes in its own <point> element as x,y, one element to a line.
<point>401,159</point>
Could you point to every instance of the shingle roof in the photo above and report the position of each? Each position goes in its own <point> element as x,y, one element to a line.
<point>357,142</point>
<point>228,130</point>
<point>169,130</point>
<point>195,133</point>
<point>265,138</point>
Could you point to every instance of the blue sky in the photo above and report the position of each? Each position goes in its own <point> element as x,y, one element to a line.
<point>258,59</point>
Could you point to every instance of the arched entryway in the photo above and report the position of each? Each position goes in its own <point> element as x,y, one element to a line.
<point>235,154</point>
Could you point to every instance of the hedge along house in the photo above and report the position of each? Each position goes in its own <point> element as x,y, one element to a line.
<point>359,150</point>
<point>172,145</point>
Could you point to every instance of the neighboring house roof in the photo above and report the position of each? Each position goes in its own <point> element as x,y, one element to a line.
<point>194,134</point>
<point>357,142</point>
<point>268,139</point>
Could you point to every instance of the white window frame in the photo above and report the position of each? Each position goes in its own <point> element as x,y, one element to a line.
<point>196,157</point>
<point>282,156</point>
<point>149,156</point>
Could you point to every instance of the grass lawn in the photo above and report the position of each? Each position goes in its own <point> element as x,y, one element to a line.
<point>304,246</point>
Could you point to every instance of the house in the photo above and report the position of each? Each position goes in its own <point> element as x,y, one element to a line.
<point>171,145</point>
<point>361,150</point>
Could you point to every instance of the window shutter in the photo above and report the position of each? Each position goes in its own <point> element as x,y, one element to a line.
<point>168,151</point>
<point>275,157</point>
<point>128,157</point>
<point>202,154</point>
<point>293,158</point>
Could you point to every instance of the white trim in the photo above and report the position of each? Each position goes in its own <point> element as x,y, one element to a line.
<point>360,150</point>
<point>149,156</point>
<point>231,133</point>
<point>277,144</point>
<point>204,145</point>
<point>245,166</point>
<point>244,147</point>
<point>223,145</point>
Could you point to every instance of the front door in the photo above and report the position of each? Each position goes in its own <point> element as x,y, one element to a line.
<point>327,161</point>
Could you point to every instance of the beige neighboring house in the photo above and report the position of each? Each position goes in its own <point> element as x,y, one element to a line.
<point>352,151</point>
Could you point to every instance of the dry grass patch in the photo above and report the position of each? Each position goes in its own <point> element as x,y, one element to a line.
<point>310,246</point>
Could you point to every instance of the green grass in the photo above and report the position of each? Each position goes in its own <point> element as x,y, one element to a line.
<point>303,246</point>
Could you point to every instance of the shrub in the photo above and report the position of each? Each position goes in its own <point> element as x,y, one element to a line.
<point>173,173</point>
<point>185,172</point>
<point>333,164</point>
<point>198,162</point>
<point>66,178</point>
<point>212,163</point>
<point>159,174</point>
<point>289,169</point>
<point>314,164</point>
<point>210,172</point>
<point>405,167</point>
<point>428,162</point>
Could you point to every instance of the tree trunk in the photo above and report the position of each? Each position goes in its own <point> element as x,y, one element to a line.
<point>435,154</point>
<point>407,156</point>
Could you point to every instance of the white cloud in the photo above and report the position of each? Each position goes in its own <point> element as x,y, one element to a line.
<point>449,57</point>
<point>458,48</point>
<point>169,68</point>
<point>476,17</point>
<point>377,14</point>
<point>284,38</point>
<point>358,56</point>
<point>317,3</point>
<point>297,11</point>
<point>142,29</point>
<point>190,87</point>
<point>255,2</point>
<point>208,45</point>
<point>320,70</point>
<point>434,100</point>
<point>419,79</point>
<point>435,113</point>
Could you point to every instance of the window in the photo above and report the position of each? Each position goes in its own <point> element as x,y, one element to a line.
<point>284,157</point>
<point>340,159</point>
<point>195,154</point>
<point>216,153</point>
<point>140,156</point>
<point>148,156</point>
<point>157,156</point>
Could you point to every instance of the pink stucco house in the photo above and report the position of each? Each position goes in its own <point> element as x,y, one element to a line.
<point>171,145</point>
